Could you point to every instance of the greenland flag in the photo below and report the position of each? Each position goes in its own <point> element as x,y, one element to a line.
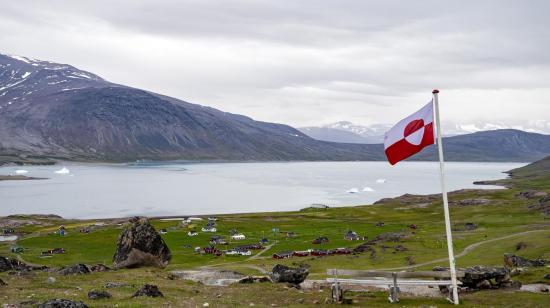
<point>410,135</point>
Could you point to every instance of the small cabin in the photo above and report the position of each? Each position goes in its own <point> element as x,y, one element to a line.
<point>352,236</point>
<point>238,237</point>
<point>163,231</point>
<point>192,233</point>
<point>209,229</point>
<point>304,253</point>
<point>283,255</point>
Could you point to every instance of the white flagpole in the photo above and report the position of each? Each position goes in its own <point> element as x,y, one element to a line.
<point>445,201</point>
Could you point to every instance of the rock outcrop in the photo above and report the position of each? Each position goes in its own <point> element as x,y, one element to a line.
<point>531,194</point>
<point>62,303</point>
<point>77,269</point>
<point>148,290</point>
<point>485,277</point>
<point>512,260</point>
<point>295,276</point>
<point>7,264</point>
<point>140,244</point>
<point>542,205</point>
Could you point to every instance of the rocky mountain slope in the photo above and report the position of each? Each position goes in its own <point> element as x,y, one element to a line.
<point>55,110</point>
<point>52,110</point>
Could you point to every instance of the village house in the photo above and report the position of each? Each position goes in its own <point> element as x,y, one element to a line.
<point>290,234</point>
<point>212,218</point>
<point>217,240</point>
<point>53,251</point>
<point>238,237</point>
<point>163,231</point>
<point>212,250</point>
<point>238,252</point>
<point>283,255</point>
<point>250,247</point>
<point>264,241</point>
<point>304,253</point>
<point>192,233</point>
<point>209,229</point>
<point>352,236</point>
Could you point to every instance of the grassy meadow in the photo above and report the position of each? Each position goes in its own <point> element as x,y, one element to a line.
<point>501,224</point>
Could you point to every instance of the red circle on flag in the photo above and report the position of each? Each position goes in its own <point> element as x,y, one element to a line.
<point>413,127</point>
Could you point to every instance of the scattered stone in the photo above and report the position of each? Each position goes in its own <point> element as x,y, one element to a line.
<point>410,260</point>
<point>98,294</point>
<point>516,271</point>
<point>293,276</point>
<point>51,280</point>
<point>99,268</point>
<point>521,246</point>
<point>368,246</point>
<point>254,279</point>
<point>140,244</point>
<point>2,283</point>
<point>379,224</point>
<point>62,303</point>
<point>205,304</point>
<point>400,248</point>
<point>390,237</point>
<point>531,194</point>
<point>77,269</point>
<point>547,277</point>
<point>30,302</point>
<point>512,260</point>
<point>110,285</point>
<point>148,290</point>
<point>470,226</point>
<point>468,202</point>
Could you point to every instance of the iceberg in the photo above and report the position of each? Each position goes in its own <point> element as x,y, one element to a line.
<point>368,189</point>
<point>63,171</point>
<point>381,181</point>
<point>21,171</point>
<point>353,190</point>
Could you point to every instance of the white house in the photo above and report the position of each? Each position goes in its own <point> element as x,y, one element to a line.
<point>209,229</point>
<point>192,233</point>
<point>238,237</point>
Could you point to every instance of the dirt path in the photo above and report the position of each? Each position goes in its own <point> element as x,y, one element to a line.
<point>464,252</point>
<point>256,256</point>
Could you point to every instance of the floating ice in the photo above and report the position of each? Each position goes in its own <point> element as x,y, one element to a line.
<point>63,171</point>
<point>353,190</point>
<point>21,171</point>
<point>381,181</point>
<point>367,189</point>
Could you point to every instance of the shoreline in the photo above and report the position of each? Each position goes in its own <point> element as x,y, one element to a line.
<point>19,178</point>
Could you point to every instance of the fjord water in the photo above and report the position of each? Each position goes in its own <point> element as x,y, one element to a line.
<point>101,191</point>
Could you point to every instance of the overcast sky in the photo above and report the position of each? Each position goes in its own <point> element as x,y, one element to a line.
<point>306,62</point>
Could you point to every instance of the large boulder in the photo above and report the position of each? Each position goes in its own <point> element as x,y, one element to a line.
<point>484,277</point>
<point>140,244</point>
<point>62,303</point>
<point>512,260</point>
<point>291,275</point>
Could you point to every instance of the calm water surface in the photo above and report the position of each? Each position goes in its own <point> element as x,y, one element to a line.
<point>96,191</point>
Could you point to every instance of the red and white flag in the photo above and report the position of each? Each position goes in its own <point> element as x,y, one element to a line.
<point>410,135</point>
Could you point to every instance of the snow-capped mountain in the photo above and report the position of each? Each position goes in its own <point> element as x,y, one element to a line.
<point>345,131</point>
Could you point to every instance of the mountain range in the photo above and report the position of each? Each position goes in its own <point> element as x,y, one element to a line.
<point>58,111</point>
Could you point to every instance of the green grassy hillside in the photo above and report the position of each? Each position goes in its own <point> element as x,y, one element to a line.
<point>502,221</point>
